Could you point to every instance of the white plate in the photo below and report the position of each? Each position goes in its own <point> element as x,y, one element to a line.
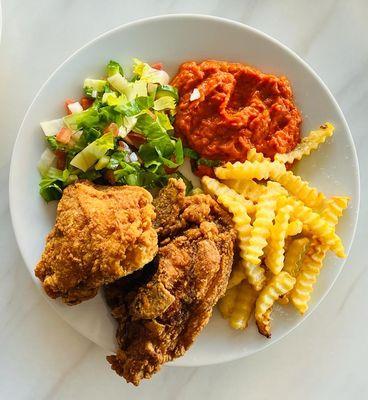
<point>173,39</point>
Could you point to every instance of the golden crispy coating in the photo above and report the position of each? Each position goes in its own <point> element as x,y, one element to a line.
<point>101,234</point>
<point>159,319</point>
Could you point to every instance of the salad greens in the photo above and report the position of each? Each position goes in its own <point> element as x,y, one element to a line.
<point>124,135</point>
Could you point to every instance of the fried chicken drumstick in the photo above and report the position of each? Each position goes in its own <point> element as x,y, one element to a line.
<point>101,234</point>
<point>161,309</point>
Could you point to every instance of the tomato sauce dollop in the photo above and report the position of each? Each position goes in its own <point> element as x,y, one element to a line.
<point>238,108</point>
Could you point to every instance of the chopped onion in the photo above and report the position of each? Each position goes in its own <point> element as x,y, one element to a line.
<point>133,157</point>
<point>195,95</point>
<point>46,161</point>
<point>125,147</point>
<point>51,128</point>
<point>94,93</point>
<point>122,132</point>
<point>118,82</point>
<point>75,107</point>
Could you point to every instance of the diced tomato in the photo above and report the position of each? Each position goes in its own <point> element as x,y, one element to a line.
<point>66,103</point>
<point>86,102</point>
<point>158,66</point>
<point>135,139</point>
<point>113,128</point>
<point>203,170</point>
<point>64,135</point>
<point>60,159</point>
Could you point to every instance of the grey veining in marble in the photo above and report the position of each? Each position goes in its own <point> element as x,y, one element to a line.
<point>43,358</point>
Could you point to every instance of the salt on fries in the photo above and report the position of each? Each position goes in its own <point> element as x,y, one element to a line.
<point>285,228</point>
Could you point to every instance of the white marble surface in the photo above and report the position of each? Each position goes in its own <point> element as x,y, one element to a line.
<point>43,358</point>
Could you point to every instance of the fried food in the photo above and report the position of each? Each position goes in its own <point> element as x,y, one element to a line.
<point>283,205</point>
<point>101,234</point>
<point>250,170</point>
<point>243,306</point>
<point>278,286</point>
<point>160,319</point>
<point>276,244</point>
<point>307,144</point>
<point>310,196</point>
<point>237,205</point>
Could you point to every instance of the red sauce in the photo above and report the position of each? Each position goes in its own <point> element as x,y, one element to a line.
<point>239,108</point>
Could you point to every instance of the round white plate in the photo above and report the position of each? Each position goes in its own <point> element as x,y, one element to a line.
<point>172,40</point>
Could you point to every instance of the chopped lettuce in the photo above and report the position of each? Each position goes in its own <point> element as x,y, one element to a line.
<point>53,182</point>
<point>93,152</point>
<point>127,126</point>
<point>164,121</point>
<point>191,153</point>
<point>52,142</point>
<point>86,118</point>
<point>136,89</point>
<point>102,163</point>
<point>208,163</point>
<point>112,99</point>
<point>135,107</point>
<point>95,84</point>
<point>113,68</point>
<point>148,74</point>
<point>139,110</point>
<point>167,90</point>
<point>164,103</point>
<point>118,82</point>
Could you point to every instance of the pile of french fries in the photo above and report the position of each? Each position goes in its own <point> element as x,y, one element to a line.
<point>284,230</point>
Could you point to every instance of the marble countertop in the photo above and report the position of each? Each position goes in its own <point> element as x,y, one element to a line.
<point>41,357</point>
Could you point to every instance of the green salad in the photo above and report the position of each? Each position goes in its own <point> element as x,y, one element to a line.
<point>120,133</point>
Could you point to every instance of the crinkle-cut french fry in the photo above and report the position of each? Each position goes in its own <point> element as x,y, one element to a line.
<point>294,255</point>
<point>308,144</point>
<point>313,260</point>
<point>253,155</point>
<point>276,244</point>
<point>316,225</point>
<point>255,274</point>
<point>243,306</point>
<point>307,276</point>
<point>250,170</point>
<point>237,205</point>
<point>293,259</point>
<point>237,274</point>
<point>334,209</point>
<point>278,286</point>
<point>295,227</point>
<point>261,229</point>
<point>301,190</point>
<point>248,188</point>
<point>219,189</point>
<point>226,303</point>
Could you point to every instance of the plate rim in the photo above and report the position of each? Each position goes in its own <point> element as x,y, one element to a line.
<point>258,32</point>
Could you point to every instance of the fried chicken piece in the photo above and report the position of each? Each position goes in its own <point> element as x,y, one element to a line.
<point>159,317</point>
<point>101,234</point>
